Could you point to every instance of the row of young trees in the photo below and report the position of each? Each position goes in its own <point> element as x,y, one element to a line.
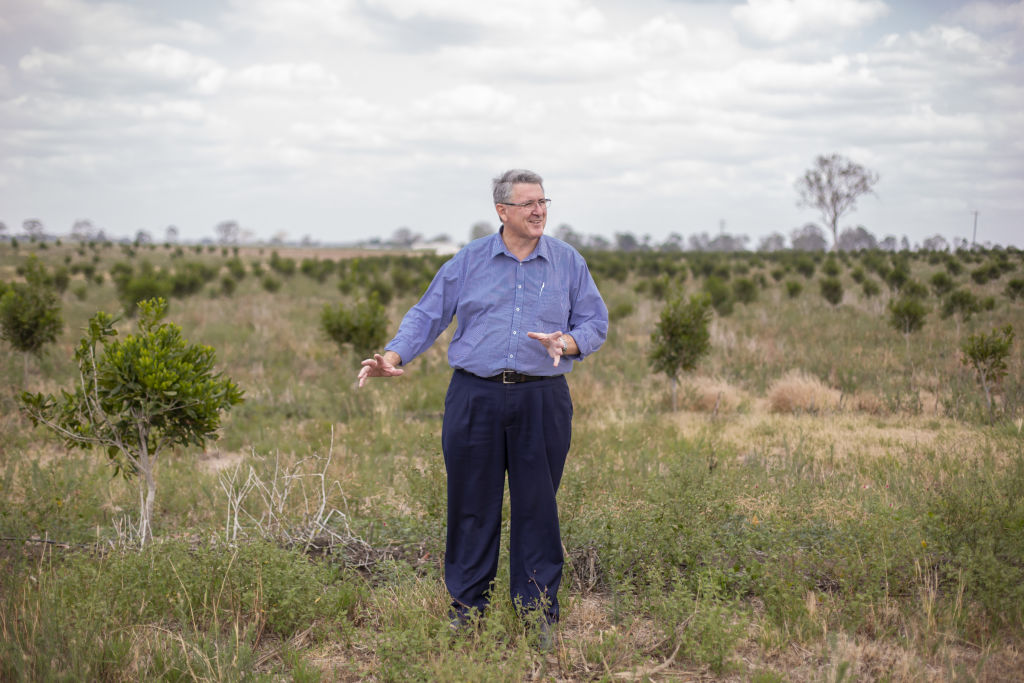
<point>140,395</point>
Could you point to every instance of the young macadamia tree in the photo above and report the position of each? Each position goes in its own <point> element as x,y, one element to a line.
<point>138,396</point>
<point>986,354</point>
<point>30,311</point>
<point>681,337</point>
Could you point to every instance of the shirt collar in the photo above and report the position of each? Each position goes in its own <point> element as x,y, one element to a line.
<point>498,247</point>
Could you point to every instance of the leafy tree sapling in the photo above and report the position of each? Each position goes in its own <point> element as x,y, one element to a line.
<point>137,396</point>
<point>1014,289</point>
<point>30,314</point>
<point>681,337</point>
<point>960,305</point>
<point>832,290</point>
<point>906,316</point>
<point>364,327</point>
<point>986,354</point>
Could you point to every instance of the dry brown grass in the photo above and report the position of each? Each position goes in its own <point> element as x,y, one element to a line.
<point>711,395</point>
<point>866,402</point>
<point>798,392</point>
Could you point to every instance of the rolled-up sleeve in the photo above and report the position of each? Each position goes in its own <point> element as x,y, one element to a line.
<point>431,315</point>
<point>588,317</point>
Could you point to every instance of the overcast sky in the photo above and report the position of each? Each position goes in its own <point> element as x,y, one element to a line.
<point>346,119</point>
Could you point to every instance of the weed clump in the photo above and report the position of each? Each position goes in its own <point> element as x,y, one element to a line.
<point>799,392</point>
<point>711,395</point>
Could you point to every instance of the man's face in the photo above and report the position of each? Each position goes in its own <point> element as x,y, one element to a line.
<point>524,222</point>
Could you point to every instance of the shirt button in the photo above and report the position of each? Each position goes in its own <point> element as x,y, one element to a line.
<point>511,355</point>
<point>520,287</point>
<point>517,308</point>
<point>515,331</point>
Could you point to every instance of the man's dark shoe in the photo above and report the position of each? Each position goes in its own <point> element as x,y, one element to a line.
<point>546,632</point>
<point>462,620</point>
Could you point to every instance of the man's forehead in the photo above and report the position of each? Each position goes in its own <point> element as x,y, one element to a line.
<point>522,189</point>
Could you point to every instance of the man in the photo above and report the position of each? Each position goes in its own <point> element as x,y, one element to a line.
<point>527,309</point>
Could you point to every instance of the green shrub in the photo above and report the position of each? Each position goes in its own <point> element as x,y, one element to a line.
<point>659,287</point>
<point>870,288</point>
<point>270,283</point>
<point>282,266</point>
<point>804,265</point>
<point>960,302</point>
<point>190,277</point>
<point>721,295</point>
<point>30,314</point>
<point>317,269</point>
<point>382,289</point>
<point>897,277</point>
<point>236,268</point>
<point>907,314</point>
<point>914,290</point>
<point>832,290</point>
<point>744,290</point>
<point>143,394</point>
<point>793,288</point>
<point>986,273</point>
<point>228,285</point>
<point>147,284</point>
<point>620,310</point>
<point>942,284</point>
<point>831,267</point>
<point>61,279</point>
<point>363,327</point>
<point>986,354</point>
<point>1014,289</point>
<point>681,337</point>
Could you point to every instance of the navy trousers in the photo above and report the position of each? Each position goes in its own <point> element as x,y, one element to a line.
<point>490,429</point>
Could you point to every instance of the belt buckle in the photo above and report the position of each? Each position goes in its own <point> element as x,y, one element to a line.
<point>508,376</point>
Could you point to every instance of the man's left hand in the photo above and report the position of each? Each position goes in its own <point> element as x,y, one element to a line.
<point>551,341</point>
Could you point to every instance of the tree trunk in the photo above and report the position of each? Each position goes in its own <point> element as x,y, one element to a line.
<point>147,490</point>
<point>147,529</point>
<point>674,382</point>
<point>988,397</point>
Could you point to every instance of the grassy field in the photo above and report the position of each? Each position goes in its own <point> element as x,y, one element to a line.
<point>832,501</point>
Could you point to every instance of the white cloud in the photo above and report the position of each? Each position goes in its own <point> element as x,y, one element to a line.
<point>102,68</point>
<point>293,109</point>
<point>472,101</point>
<point>527,15</point>
<point>991,15</point>
<point>783,20</point>
<point>285,76</point>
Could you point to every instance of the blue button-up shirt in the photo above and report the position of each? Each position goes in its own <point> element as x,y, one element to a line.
<point>497,299</point>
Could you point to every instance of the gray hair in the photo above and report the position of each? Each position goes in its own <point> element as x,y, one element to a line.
<point>503,183</point>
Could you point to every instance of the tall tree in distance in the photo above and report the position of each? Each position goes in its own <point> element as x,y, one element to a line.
<point>227,232</point>
<point>832,187</point>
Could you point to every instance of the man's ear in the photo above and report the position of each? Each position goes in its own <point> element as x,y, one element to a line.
<point>502,212</point>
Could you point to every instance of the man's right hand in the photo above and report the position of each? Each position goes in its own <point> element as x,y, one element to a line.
<point>380,366</point>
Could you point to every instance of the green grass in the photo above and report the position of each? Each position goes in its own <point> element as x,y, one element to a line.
<point>742,543</point>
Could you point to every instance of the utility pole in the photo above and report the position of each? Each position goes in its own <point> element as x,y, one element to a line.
<point>974,238</point>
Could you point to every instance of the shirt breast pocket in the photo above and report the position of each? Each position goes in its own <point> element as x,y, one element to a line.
<point>553,309</point>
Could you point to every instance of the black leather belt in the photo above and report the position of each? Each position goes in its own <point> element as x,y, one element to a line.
<point>509,377</point>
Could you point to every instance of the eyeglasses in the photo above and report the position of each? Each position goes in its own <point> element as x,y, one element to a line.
<point>531,205</point>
